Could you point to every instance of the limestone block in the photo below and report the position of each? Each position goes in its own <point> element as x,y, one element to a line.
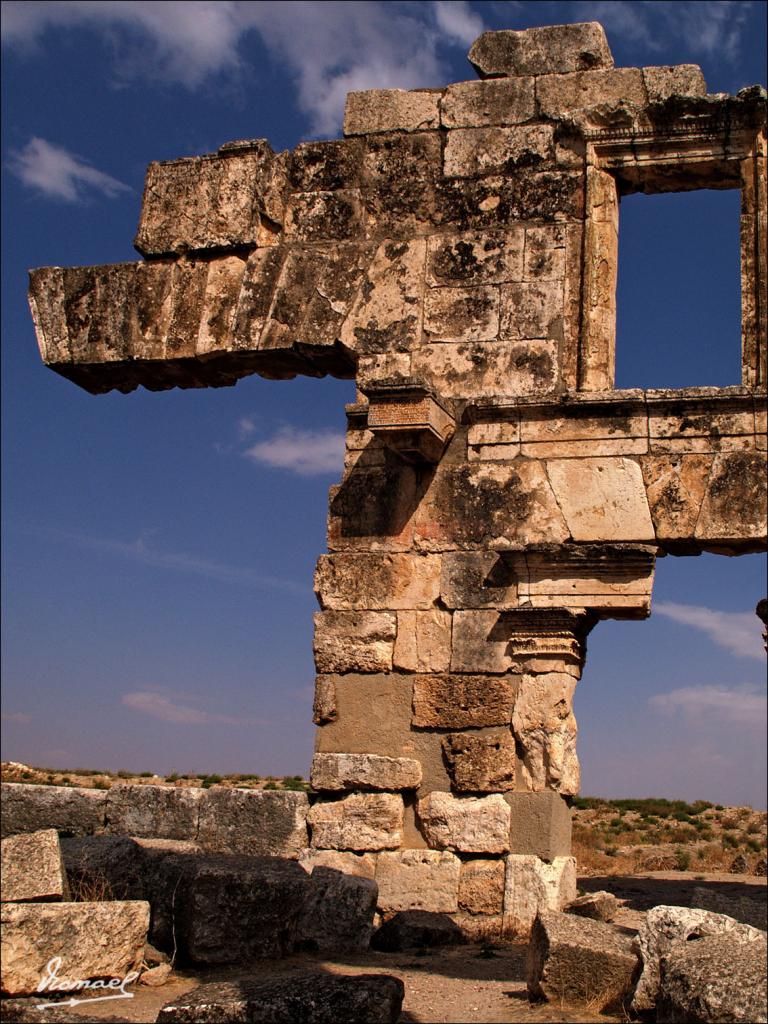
<point>545,253</point>
<point>602,499</point>
<point>416,929</point>
<point>675,485</point>
<point>735,506</point>
<point>308,996</point>
<point>350,641</point>
<point>386,110</point>
<point>475,257</point>
<point>663,928</point>
<point>550,50</point>
<point>529,194</point>
<point>418,880</point>
<point>479,645</point>
<point>465,824</point>
<point>461,314</point>
<point>222,289</point>
<point>91,939</point>
<point>324,706</point>
<point>549,434</point>
<point>377,581</point>
<point>386,315</point>
<point>362,865</point>
<point>559,95</point>
<point>476,152</point>
<point>545,729</point>
<point>598,906</point>
<point>540,824</point>
<point>338,914</point>
<point>479,370</point>
<point>157,812</point>
<point>678,80</point>
<point>579,962</point>
<point>533,309</point>
<point>496,102</point>
<point>480,579</point>
<point>364,771</point>
<point>695,426</point>
<point>714,980</point>
<point>71,809</point>
<point>532,885</point>
<point>400,172</point>
<point>423,641</point>
<point>361,821</point>
<point>481,886</point>
<point>462,701</point>
<point>32,868</point>
<point>324,166</point>
<point>253,821</point>
<point>480,764</point>
<point>118,867</point>
<point>319,216</point>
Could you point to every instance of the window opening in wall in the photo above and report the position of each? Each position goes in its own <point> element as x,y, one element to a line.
<point>678,303</point>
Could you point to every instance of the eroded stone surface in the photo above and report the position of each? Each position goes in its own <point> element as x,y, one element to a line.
<point>418,880</point>
<point>364,771</point>
<point>361,821</point>
<point>481,764</point>
<point>465,824</point>
<point>532,885</point>
<point>33,868</point>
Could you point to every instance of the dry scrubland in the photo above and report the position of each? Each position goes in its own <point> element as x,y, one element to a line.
<point>610,837</point>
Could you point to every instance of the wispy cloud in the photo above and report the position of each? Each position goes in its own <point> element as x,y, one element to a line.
<point>331,48</point>
<point>59,174</point>
<point>707,27</point>
<point>737,632</point>
<point>156,704</point>
<point>740,705</point>
<point>140,550</point>
<point>305,452</point>
<point>16,717</point>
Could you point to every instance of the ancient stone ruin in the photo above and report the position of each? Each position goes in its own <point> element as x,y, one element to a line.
<point>456,255</point>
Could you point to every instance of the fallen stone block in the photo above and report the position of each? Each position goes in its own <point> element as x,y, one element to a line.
<point>33,869</point>
<point>532,885</point>
<point>71,810</point>
<point>663,929</point>
<point>599,906</point>
<point>580,962</point>
<point>25,1011</point>
<point>117,867</point>
<point>745,907</point>
<point>253,821</point>
<point>153,812</point>
<point>82,940</point>
<point>154,977</point>
<point>304,999</point>
<point>417,929</point>
<point>714,980</point>
<point>338,913</point>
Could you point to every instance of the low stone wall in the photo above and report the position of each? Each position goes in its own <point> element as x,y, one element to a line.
<point>255,822</point>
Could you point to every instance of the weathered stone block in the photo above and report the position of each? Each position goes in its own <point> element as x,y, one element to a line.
<point>540,824</point>
<point>477,104</point>
<point>387,110</point>
<point>476,152</point>
<point>675,485</point>
<point>118,867</point>
<point>663,928</point>
<point>423,641</point>
<point>338,913</point>
<point>481,886</point>
<point>465,824</point>
<point>462,701</point>
<point>461,314</point>
<point>602,499</point>
<point>599,906</point>
<point>156,812</point>
<point>417,929</point>
<point>480,579</point>
<point>735,507</point>
<point>364,771</point>
<point>324,706</point>
<point>473,370</point>
<point>361,821</point>
<point>362,865</point>
<point>321,216</point>
<point>479,645</point>
<point>579,962</point>
<point>679,80</point>
<point>545,729</point>
<point>253,821</point>
<point>377,581</point>
<point>306,997</point>
<point>33,869</point>
<point>418,880</point>
<point>532,885</point>
<point>70,810</point>
<point>550,50</point>
<point>351,641</point>
<point>92,940</point>
<point>480,764</point>
<point>559,95</point>
<point>533,310</point>
<point>475,258</point>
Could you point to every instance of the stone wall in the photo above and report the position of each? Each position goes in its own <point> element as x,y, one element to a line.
<point>456,254</point>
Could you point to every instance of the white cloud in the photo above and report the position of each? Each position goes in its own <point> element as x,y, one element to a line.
<point>331,48</point>
<point>743,705</point>
<point>737,632</point>
<point>59,174</point>
<point>305,452</point>
<point>707,27</point>
<point>157,705</point>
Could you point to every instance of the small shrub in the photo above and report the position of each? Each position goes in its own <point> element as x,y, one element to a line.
<point>26,775</point>
<point>210,780</point>
<point>296,784</point>
<point>754,845</point>
<point>101,784</point>
<point>729,840</point>
<point>683,859</point>
<point>173,777</point>
<point>616,823</point>
<point>610,851</point>
<point>122,774</point>
<point>271,785</point>
<point>146,775</point>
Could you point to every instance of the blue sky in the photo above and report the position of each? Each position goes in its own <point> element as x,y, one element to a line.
<point>159,548</point>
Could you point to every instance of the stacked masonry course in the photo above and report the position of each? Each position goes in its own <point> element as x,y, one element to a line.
<point>456,254</point>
